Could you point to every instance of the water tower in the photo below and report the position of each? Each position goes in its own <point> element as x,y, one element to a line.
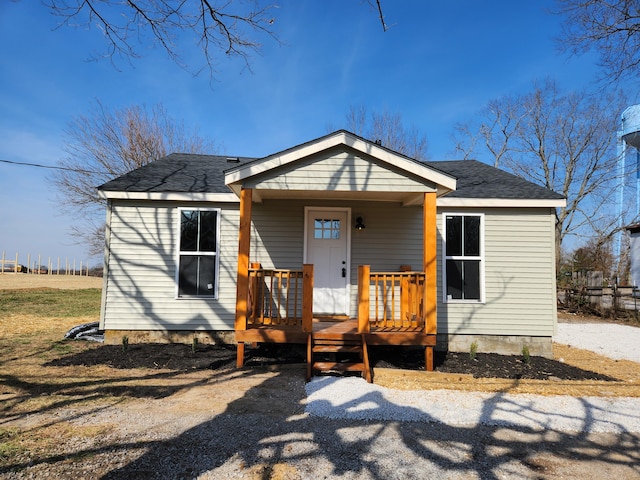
<point>629,136</point>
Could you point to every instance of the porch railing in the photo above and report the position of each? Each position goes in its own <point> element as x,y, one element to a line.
<point>391,301</point>
<point>280,297</point>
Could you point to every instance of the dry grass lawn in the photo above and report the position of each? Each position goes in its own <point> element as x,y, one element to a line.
<point>11,281</point>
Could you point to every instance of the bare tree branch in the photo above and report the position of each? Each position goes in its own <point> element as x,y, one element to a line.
<point>610,27</point>
<point>103,145</point>
<point>233,27</point>
<point>565,142</point>
<point>389,130</point>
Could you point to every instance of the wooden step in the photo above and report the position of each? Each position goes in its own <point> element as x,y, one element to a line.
<point>337,336</point>
<point>337,348</point>
<point>339,366</point>
<point>323,346</point>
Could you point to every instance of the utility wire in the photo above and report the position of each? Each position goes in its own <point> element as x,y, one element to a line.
<point>25,164</point>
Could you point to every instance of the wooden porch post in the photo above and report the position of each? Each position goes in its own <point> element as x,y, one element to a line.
<point>430,269</point>
<point>242,286</point>
<point>307,298</point>
<point>364,279</point>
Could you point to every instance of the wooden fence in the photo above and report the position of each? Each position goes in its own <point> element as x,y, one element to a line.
<point>35,265</point>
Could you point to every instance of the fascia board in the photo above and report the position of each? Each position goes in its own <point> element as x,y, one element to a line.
<point>171,196</point>
<point>501,202</point>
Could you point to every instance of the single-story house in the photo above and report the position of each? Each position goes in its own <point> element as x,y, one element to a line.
<point>337,243</point>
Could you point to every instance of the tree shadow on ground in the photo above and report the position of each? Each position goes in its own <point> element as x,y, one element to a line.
<point>265,433</point>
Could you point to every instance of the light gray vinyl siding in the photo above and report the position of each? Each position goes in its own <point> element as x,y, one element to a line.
<point>141,286</point>
<point>277,234</point>
<point>141,293</point>
<point>392,238</point>
<point>519,276</point>
<point>338,171</point>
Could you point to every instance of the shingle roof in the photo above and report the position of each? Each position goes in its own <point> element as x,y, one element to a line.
<point>180,172</point>
<point>479,180</point>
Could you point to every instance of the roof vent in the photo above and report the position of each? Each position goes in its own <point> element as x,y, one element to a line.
<point>378,142</point>
<point>233,159</point>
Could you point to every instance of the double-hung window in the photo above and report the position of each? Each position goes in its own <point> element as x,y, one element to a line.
<point>198,247</point>
<point>463,272</point>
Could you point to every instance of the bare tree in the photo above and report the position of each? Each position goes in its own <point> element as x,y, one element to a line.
<point>595,255</point>
<point>564,142</point>
<point>611,28</point>
<point>234,28</point>
<point>389,130</point>
<point>105,144</point>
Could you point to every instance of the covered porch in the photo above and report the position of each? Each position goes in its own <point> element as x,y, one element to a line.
<point>393,307</point>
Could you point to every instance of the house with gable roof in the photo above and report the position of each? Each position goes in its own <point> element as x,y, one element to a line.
<point>338,244</point>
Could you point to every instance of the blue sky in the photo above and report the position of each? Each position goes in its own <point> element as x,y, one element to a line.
<point>438,64</point>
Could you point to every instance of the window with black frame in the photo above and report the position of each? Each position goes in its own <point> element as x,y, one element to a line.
<point>463,257</point>
<point>198,253</point>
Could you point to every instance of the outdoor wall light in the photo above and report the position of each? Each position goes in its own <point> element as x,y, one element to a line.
<point>359,223</point>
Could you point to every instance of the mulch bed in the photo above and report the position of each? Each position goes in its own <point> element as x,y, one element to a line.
<point>179,357</point>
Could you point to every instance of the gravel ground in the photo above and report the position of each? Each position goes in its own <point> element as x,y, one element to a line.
<point>262,424</point>
<point>620,342</point>
<point>351,398</point>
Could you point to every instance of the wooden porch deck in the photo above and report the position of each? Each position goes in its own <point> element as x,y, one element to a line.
<point>335,328</point>
<point>331,337</point>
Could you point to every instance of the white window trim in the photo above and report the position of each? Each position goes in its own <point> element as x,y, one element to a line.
<point>216,254</point>
<point>481,258</point>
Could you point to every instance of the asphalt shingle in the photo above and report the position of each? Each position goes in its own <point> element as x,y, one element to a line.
<point>180,172</point>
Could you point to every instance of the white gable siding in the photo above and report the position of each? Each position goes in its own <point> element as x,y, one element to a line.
<point>337,171</point>
<point>519,277</point>
<point>141,290</point>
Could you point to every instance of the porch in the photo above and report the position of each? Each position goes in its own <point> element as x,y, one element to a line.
<point>392,310</point>
<point>390,307</point>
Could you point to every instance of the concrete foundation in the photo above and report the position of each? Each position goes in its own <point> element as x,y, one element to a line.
<point>502,344</point>
<point>114,337</point>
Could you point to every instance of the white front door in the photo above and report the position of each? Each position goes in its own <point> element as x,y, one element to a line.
<point>327,247</point>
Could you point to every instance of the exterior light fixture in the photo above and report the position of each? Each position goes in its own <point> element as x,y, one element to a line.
<point>359,223</point>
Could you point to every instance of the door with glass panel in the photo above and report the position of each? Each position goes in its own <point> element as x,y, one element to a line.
<point>327,247</point>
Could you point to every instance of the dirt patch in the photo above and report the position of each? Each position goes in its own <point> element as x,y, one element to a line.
<point>12,281</point>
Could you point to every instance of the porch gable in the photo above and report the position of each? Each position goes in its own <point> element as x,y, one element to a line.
<point>339,170</point>
<point>340,162</point>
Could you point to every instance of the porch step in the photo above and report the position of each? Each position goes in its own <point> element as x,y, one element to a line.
<point>323,352</point>
<point>337,349</point>
<point>338,366</point>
